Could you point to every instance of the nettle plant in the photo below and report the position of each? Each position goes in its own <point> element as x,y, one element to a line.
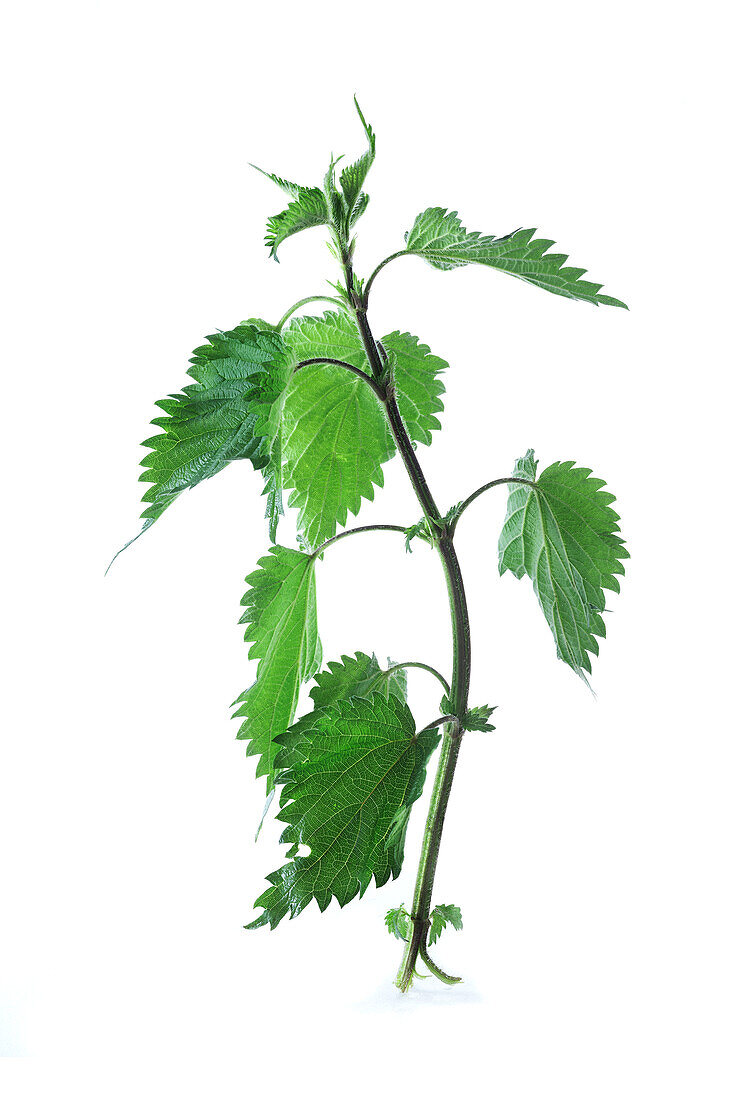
<point>318,405</point>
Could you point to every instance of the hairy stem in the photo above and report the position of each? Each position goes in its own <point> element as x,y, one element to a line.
<point>462,508</point>
<point>304,302</point>
<point>419,664</point>
<point>346,366</point>
<point>358,531</point>
<point>461,653</point>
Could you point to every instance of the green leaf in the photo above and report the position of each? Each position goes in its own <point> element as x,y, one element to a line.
<point>476,718</point>
<point>350,677</point>
<point>232,410</point>
<point>308,210</point>
<point>564,535</point>
<point>334,335</point>
<point>336,440</point>
<point>398,923</point>
<point>362,767</point>
<point>282,632</point>
<point>441,239</point>
<point>440,917</point>
<point>415,371</point>
<point>353,177</point>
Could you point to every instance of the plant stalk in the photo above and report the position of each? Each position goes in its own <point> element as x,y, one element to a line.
<point>461,653</point>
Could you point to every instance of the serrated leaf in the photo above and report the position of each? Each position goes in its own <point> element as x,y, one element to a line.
<point>335,434</point>
<point>307,211</point>
<point>477,719</point>
<point>231,411</point>
<point>353,177</point>
<point>362,766</point>
<point>415,370</point>
<point>350,677</point>
<point>336,441</point>
<point>398,923</point>
<point>441,239</point>
<point>334,335</point>
<point>564,535</point>
<point>281,630</point>
<point>440,917</point>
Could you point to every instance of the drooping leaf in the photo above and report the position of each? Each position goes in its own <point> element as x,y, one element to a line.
<point>336,440</point>
<point>441,239</point>
<point>281,630</point>
<point>440,917</point>
<point>398,923</point>
<point>417,383</point>
<point>231,411</point>
<point>363,766</point>
<point>564,535</point>
<point>307,211</point>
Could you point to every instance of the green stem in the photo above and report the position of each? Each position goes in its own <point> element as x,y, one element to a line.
<point>419,664</point>
<point>461,652</point>
<point>323,359</point>
<point>304,302</point>
<point>357,531</point>
<point>394,256</point>
<point>461,509</point>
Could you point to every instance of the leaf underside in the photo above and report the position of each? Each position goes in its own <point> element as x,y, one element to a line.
<point>441,239</point>
<point>281,630</point>
<point>349,787</point>
<point>564,535</point>
<point>335,435</point>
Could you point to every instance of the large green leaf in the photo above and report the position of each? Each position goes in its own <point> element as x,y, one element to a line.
<point>361,768</point>
<point>350,677</point>
<point>232,410</point>
<point>564,535</point>
<point>441,239</point>
<point>282,632</point>
<point>336,440</point>
<point>335,433</point>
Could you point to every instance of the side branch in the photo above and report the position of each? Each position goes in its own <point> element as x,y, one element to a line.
<point>461,508</point>
<point>358,531</point>
<point>347,366</point>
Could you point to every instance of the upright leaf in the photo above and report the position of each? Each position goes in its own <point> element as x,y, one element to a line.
<point>281,630</point>
<point>564,535</point>
<point>232,410</point>
<point>441,239</point>
<point>440,917</point>
<point>362,767</point>
<point>418,386</point>
<point>353,177</point>
<point>336,440</point>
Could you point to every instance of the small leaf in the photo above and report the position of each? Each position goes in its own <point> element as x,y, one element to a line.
<point>441,239</point>
<point>564,535</point>
<point>353,177</point>
<point>440,917</point>
<point>476,718</point>
<point>307,211</point>
<point>398,923</point>
<point>359,768</point>
<point>282,632</point>
<point>415,371</point>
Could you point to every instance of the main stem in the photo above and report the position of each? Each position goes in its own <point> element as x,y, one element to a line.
<point>461,653</point>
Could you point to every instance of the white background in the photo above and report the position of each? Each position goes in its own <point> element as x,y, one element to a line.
<point>597,848</point>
